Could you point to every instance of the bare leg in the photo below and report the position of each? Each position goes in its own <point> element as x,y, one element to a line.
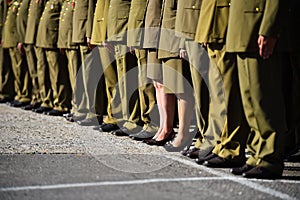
<point>185,112</point>
<point>167,107</point>
<point>157,84</point>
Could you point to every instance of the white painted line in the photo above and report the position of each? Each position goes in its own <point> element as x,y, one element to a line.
<point>108,183</point>
<point>243,181</point>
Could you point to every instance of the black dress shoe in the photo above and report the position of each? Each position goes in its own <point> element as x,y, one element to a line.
<point>170,148</point>
<point>218,162</point>
<point>201,160</point>
<point>240,170</point>
<point>5,100</point>
<point>18,104</point>
<point>108,127</point>
<point>10,103</point>
<point>88,122</point>
<point>260,173</point>
<point>121,132</point>
<point>142,135</point>
<point>75,118</point>
<point>31,106</point>
<point>169,137</point>
<point>193,153</point>
<point>42,109</point>
<point>55,113</point>
<point>185,151</point>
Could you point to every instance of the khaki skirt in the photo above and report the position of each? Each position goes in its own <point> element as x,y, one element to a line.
<point>154,66</point>
<point>176,76</point>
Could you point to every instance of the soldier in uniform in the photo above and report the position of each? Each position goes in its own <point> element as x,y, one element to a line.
<point>99,37</point>
<point>21,28</point>
<point>229,147</point>
<point>154,72</point>
<point>18,60</point>
<point>90,106</point>
<point>53,81</point>
<point>118,15</point>
<point>67,47</point>
<point>176,76</point>
<point>145,86</point>
<point>186,23</point>
<point>34,13</point>
<point>6,75</point>
<point>253,29</point>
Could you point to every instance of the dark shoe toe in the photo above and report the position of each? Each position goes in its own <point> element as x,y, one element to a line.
<point>259,172</point>
<point>240,170</point>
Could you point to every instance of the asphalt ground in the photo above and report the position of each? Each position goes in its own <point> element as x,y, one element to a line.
<point>43,157</point>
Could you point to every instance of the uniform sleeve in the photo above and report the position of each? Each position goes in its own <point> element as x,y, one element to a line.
<point>1,17</point>
<point>90,18</point>
<point>269,24</point>
<point>136,22</point>
<point>21,27</point>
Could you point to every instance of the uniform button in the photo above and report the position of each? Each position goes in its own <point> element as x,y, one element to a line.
<point>229,4</point>
<point>257,9</point>
<point>193,7</point>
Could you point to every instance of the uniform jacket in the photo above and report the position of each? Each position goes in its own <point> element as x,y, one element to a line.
<point>136,23</point>
<point>209,29</point>
<point>118,15</point>
<point>169,44</point>
<point>152,24</point>
<point>65,26</point>
<point>90,18</point>
<point>22,20</point>
<point>35,11</point>
<point>187,18</point>
<point>3,10</point>
<point>10,34</point>
<point>48,27</point>
<point>80,17</point>
<point>99,33</point>
<point>247,20</point>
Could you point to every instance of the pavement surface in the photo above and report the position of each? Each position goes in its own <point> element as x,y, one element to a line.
<point>43,157</point>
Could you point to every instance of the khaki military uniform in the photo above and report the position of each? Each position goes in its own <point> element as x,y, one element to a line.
<point>176,74</point>
<point>185,26</point>
<point>55,96</point>
<point>145,85</point>
<point>21,28</point>
<point>88,82</point>
<point>34,13</point>
<point>118,15</point>
<point>261,96</point>
<point>66,45</point>
<point>151,38</point>
<point>99,35</point>
<point>225,98</point>
<point>18,61</point>
<point>6,74</point>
